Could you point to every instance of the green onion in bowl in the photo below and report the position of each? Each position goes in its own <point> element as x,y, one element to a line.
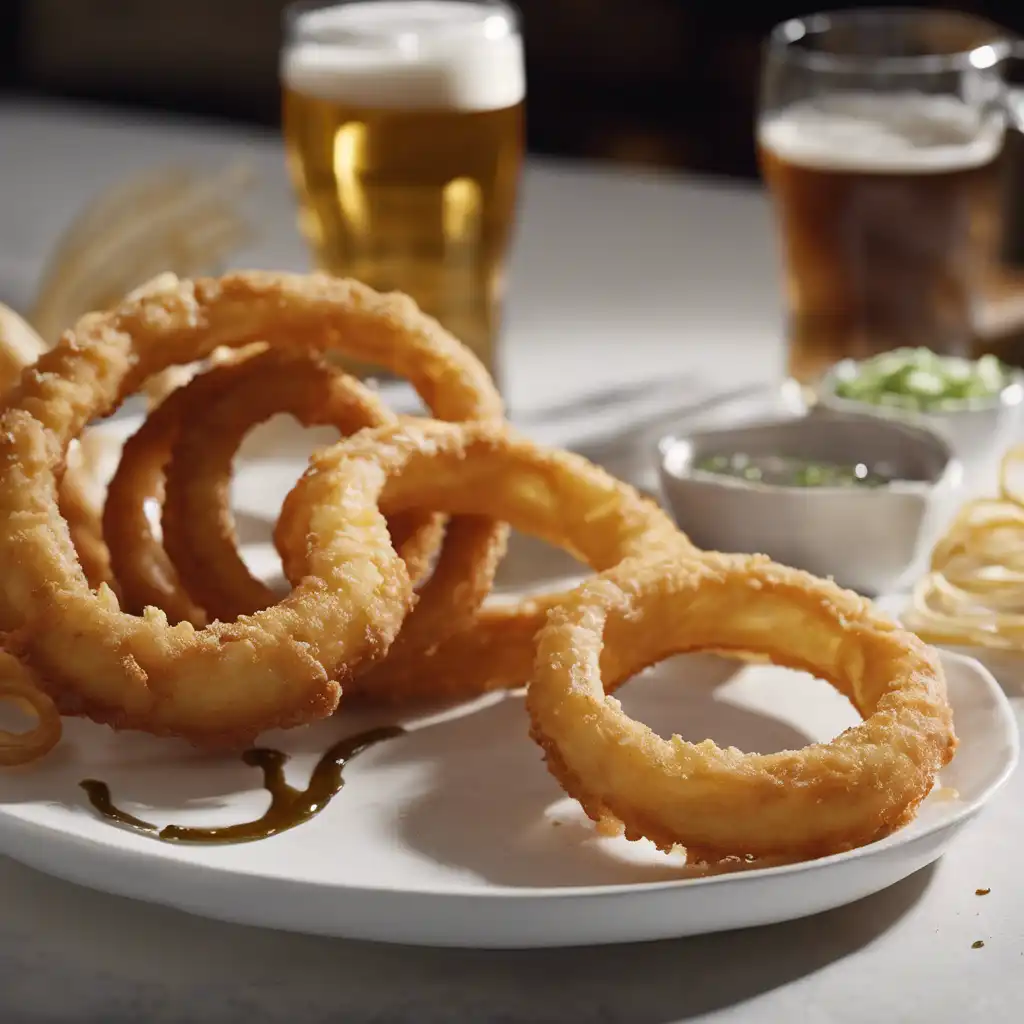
<point>919,379</point>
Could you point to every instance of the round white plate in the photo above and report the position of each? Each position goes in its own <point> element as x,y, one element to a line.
<point>454,834</point>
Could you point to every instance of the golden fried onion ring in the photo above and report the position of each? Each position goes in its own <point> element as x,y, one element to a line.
<point>210,581</point>
<point>17,683</point>
<point>498,649</point>
<point>555,495</point>
<point>495,652</point>
<point>82,512</point>
<point>21,346</point>
<point>199,527</point>
<point>198,524</point>
<point>146,575</point>
<point>225,683</point>
<point>825,798</point>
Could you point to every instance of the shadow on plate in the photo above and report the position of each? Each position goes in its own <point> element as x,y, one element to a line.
<point>141,769</point>
<point>476,764</point>
<point>483,767</point>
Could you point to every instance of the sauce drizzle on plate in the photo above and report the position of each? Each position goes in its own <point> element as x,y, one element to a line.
<point>289,806</point>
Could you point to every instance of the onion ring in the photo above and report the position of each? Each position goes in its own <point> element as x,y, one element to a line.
<point>147,576</point>
<point>555,495</point>
<point>84,518</point>
<point>495,652</point>
<point>182,583</point>
<point>199,527</point>
<point>21,346</point>
<point>17,683</point>
<point>823,799</point>
<point>160,386</point>
<point>279,667</point>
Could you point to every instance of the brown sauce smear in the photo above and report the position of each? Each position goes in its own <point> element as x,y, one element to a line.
<point>289,806</point>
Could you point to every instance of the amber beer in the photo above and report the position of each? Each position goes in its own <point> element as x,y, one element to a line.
<point>403,123</point>
<point>881,201</point>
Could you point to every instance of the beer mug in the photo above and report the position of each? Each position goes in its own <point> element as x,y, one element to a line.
<point>878,135</point>
<point>403,126</point>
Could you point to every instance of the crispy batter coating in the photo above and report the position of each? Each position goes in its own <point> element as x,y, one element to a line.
<point>194,571</point>
<point>199,528</point>
<point>823,799</point>
<point>281,666</point>
<point>17,683</point>
<point>198,525</point>
<point>21,346</point>
<point>555,495</point>
<point>146,575</point>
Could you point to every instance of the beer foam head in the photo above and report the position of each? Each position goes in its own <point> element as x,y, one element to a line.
<point>408,54</point>
<point>907,133</point>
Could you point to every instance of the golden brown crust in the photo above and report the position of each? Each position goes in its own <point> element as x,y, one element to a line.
<point>21,346</point>
<point>18,683</point>
<point>552,494</point>
<point>84,518</point>
<point>823,799</point>
<point>281,666</point>
<point>146,575</point>
<point>211,416</point>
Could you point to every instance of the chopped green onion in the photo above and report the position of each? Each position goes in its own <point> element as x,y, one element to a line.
<point>921,379</point>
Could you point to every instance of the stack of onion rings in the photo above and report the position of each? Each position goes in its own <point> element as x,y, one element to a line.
<point>390,541</point>
<point>180,581</point>
<point>283,665</point>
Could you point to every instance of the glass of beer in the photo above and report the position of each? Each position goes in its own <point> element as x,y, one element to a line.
<point>878,137</point>
<point>403,123</point>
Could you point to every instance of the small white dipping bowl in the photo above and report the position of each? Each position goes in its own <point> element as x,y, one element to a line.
<point>978,430</point>
<point>866,538</point>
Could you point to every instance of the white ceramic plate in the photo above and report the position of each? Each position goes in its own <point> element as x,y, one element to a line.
<point>454,834</point>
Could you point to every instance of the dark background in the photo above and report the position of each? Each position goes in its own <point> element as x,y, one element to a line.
<point>658,82</point>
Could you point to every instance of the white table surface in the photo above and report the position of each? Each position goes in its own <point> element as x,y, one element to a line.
<point>617,280</point>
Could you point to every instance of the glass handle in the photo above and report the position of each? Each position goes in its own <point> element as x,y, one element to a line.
<point>1011,246</point>
<point>1015,85</point>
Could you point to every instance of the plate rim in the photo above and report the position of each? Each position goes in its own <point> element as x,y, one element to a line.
<point>183,866</point>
